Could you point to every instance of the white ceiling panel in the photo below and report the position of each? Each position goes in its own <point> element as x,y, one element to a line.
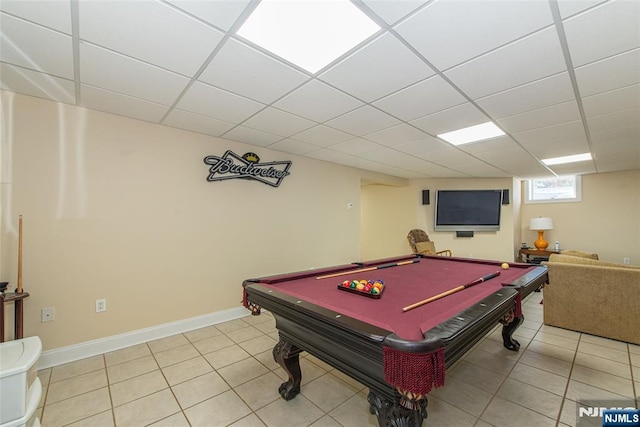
<point>213,102</point>
<point>197,123</point>
<point>544,117</point>
<point>34,83</point>
<point>579,168</point>
<point>362,121</point>
<point>21,43</point>
<point>421,99</point>
<point>603,31</point>
<point>327,104</point>
<point>531,96</point>
<point>401,69</point>
<point>620,71</point>
<point>396,135</point>
<point>221,13</point>
<point>52,14</point>
<point>459,24</point>
<point>244,70</point>
<point>124,26</point>
<point>458,117</point>
<point>278,122</point>
<point>434,66</point>
<point>115,103</point>
<point>322,136</point>
<point>134,77</point>
<point>531,58</point>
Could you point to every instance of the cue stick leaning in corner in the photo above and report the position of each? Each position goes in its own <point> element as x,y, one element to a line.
<point>360,270</point>
<point>19,288</point>
<point>451,291</point>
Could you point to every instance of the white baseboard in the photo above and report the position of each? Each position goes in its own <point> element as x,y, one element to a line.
<point>86,349</point>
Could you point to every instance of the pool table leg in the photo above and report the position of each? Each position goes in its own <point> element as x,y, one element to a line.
<point>287,356</point>
<point>509,325</point>
<point>401,412</point>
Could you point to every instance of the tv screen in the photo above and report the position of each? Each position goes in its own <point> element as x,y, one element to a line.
<point>475,210</point>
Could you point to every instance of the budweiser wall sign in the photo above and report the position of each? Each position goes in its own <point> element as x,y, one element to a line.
<point>248,166</point>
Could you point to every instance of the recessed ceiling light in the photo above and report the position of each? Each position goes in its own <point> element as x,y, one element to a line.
<point>472,134</point>
<point>567,159</point>
<point>309,33</point>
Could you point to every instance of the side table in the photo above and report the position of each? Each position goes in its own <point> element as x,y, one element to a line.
<point>534,256</point>
<point>16,298</point>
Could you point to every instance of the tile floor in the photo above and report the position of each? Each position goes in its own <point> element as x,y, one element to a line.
<point>224,375</point>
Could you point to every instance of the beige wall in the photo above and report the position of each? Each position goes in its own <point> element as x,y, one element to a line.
<point>388,213</point>
<point>606,221</point>
<point>120,209</point>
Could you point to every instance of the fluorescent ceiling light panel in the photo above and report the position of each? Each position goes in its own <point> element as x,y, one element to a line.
<point>567,159</point>
<point>308,33</point>
<point>472,134</point>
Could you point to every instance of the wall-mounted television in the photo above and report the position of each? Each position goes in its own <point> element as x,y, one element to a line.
<point>475,210</point>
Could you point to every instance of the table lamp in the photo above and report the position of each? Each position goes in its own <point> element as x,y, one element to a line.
<point>539,225</point>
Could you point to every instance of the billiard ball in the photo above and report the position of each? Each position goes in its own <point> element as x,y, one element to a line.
<point>505,266</point>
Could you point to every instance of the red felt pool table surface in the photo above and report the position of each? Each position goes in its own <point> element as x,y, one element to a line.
<point>404,285</point>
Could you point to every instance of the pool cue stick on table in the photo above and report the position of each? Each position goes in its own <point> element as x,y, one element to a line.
<point>360,270</point>
<point>451,291</point>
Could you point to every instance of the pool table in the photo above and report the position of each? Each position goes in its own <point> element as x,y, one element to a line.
<point>399,355</point>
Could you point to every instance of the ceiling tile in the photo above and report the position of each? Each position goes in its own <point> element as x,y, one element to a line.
<point>608,135</point>
<point>278,122</point>
<point>622,154</point>
<point>328,102</point>
<point>356,146</point>
<point>618,119</point>
<point>621,70</point>
<point>322,136</point>
<point>421,99</point>
<point>571,7</point>
<point>580,168</point>
<point>33,83</point>
<point>197,123</point>
<point>34,47</point>
<point>221,13</point>
<point>457,25</point>
<point>603,31</point>
<point>251,136</point>
<point>421,146</point>
<point>213,102</point>
<point>244,70</point>
<point>551,149</point>
<point>531,96</point>
<point>134,78</point>
<point>392,11</point>
<point>571,131</point>
<point>451,119</point>
<point>52,14</point>
<point>549,116</point>
<point>293,146</point>
<point>495,144</point>
<point>124,26</point>
<point>531,58</point>
<point>115,103</point>
<point>615,100</point>
<point>479,169</point>
<point>448,157</point>
<point>396,135</point>
<point>329,155</point>
<point>362,121</point>
<point>361,75</point>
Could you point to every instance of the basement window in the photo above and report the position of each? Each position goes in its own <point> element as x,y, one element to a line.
<point>556,189</point>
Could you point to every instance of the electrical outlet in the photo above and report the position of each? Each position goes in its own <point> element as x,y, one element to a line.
<point>101,305</point>
<point>627,260</point>
<point>47,314</point>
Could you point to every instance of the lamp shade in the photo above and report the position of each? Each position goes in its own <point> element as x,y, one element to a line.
<point>541,224</point>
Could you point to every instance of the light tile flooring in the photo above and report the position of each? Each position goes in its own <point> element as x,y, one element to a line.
<point>224,375</point>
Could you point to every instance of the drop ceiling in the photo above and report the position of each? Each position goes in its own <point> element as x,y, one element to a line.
<point>559,77</point>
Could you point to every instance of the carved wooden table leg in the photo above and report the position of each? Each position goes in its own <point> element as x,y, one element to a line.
<point>287,356</point>
<point>407,411</point>
<point>509,324</point>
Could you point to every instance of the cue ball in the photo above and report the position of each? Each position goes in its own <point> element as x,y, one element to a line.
<point>505,266</point>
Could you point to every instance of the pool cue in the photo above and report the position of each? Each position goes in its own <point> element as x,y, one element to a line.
<point>360,270</point>
<point>19,288</point>
<point>451,291</point>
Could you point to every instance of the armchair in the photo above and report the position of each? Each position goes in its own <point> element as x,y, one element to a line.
<point>420,243</point>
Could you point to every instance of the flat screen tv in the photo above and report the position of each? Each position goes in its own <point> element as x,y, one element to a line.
<point>476,210</point>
